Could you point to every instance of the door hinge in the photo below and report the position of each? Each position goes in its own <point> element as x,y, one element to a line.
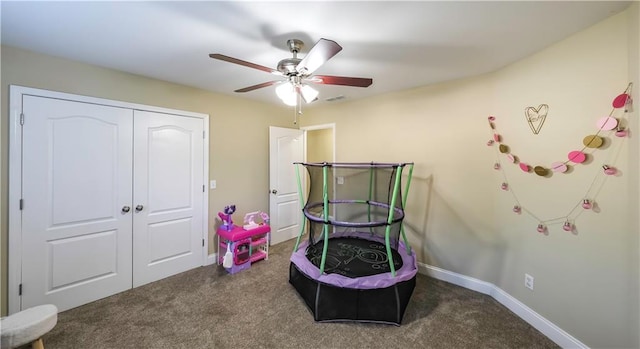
<point>20,290</point>
<point>21,204</point>
<point>202,242</point>
<point>203,188</point>
<point>21,118</point>
<point>203,135</point>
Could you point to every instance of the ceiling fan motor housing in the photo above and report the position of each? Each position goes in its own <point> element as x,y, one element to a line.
<point>288,66</point>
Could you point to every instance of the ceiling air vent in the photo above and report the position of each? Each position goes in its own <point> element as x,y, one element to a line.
<point>336,98</point>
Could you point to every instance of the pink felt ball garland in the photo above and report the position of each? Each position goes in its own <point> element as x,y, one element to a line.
<point>593,142</point>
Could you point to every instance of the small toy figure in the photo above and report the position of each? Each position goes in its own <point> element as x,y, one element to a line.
<point>227,222</point>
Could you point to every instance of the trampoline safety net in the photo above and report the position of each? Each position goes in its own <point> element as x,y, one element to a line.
<point>358,197</point>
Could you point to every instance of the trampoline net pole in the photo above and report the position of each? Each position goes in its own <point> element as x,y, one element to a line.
<point>304,221</point>
<point>371,177</point>
<point>325,212</point>
<point>404,204</point>
<point>396,186</point>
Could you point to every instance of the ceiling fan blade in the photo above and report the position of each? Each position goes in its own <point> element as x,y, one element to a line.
<point>321,52</point>
<point>244,63</point>
<point>255,87</point>
<point>341,80</point>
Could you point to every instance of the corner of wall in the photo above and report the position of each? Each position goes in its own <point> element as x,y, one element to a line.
<point>634,155</point>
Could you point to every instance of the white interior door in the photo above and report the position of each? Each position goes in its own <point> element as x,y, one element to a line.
<point>76,233</point>
<point>168,195</point>
<point>285,147</point>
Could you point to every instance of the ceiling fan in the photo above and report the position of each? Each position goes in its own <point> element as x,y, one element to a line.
<point>299,71</point>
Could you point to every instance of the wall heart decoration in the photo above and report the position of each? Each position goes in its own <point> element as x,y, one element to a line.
<point>535,117</point>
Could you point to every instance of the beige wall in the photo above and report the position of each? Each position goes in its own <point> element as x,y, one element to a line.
<point>460,220</point>
<point>240,168</point>
<point>320,145</point>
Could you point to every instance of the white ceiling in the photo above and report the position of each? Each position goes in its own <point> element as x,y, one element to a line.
<point>399,45</point>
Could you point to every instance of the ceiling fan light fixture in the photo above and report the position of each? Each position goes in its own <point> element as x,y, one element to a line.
<point>309,94</point>
<point>287,93</point>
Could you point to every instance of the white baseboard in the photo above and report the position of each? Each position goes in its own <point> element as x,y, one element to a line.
<point>211,259</point>
<point>527,314</point>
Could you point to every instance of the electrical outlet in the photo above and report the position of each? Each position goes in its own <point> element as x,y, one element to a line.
<point>340,180</point>
<point>528,281</point>
<point>213,184</point>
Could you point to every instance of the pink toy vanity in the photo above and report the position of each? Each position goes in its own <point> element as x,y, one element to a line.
<point>248,246</point>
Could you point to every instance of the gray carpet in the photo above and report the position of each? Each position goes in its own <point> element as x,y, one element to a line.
<point>258,308</point>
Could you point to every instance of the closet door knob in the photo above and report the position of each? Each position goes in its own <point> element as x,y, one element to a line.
<point>126,209</point>
<point>139,208</point>
<point>274,191</point>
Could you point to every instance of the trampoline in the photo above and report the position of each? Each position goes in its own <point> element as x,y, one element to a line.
<point>354,265</point>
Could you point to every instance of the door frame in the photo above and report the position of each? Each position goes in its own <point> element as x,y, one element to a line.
<point>14,250</point>
<point>305,130</point>
<point>331,126</point>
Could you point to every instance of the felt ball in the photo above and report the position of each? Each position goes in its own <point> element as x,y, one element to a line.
<point>559,167</point>
<point>620,100</point>
<point>607,123</point>
<point>540,171</point>
<point>503,148</point>
<point>577,157</point>
<point>511,157</point>
<point>524,167</point>
<point>592,141</point>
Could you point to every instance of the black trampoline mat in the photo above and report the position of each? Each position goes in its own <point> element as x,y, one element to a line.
<point>353,257</point>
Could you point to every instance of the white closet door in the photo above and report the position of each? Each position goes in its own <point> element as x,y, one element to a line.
<point>168,195</point>
<point>76,238</point>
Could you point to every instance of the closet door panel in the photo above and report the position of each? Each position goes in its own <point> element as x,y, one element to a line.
<point>77,165</point>
<point>168,195</point>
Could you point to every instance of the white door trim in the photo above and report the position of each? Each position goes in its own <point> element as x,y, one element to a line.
<point>15,193</point>
<point>15,174</point>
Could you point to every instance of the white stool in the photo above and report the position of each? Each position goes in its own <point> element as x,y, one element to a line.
<point>28,326</point>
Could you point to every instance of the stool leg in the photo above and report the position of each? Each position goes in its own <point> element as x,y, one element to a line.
<point>37,344</point>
